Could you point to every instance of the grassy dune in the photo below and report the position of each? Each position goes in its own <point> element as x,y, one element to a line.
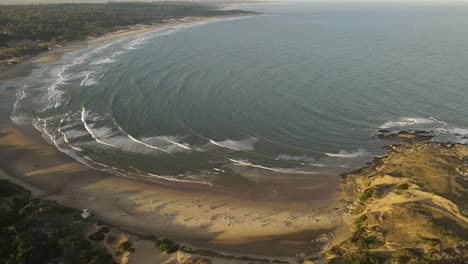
<point>409,207</point>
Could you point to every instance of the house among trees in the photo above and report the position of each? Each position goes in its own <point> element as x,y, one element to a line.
<point>86,213</point>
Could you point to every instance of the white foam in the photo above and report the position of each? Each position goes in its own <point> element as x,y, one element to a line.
<point>348,155</point>
<point>74,133</point>
<point>455,134</point>
<point>75,148</point>
<point>16,104</point>
<point>282,170</point>
<point>452,131</point>
<point>147,145</point>
<point>411,121</point>
<point>102,61</point>
<point>306,160</point>
<point>98,163</point>
<point>87,81</point>
<point>238,145</point>
<point>108,60</point>
<point>83,120</point>
<point>134,43</point>
<point>59,81</point>
<point>23,95</point>
<point>44,129</point>
<point>177,180</point>
<point>144,37</point>
<point>159,143</point>
<point>169,144</point>
<point>65,139</point>
<point>302,158</point>
<point>184,146</point>
<point>219,170</point>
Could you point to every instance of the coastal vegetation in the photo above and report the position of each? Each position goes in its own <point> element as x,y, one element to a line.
<point>37,231</point>
<point>409,207</point>
<point>27,30</point>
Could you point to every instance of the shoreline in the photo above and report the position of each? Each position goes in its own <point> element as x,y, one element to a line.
<point>200,216</point>
<point>410,204</point>
<point>22,69</point>
<point>186,214</point>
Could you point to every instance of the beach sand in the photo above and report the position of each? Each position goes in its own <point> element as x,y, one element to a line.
<point>280,225</point>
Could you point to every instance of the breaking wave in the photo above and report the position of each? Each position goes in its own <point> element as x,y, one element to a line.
<point>245,163</point>
<point>301,158</point>
<point>348,155</point>
<point>238,145</point>
<point>88,128</point>
<point>411,121</point>
<point>147,145</point>
<point>74,100</point>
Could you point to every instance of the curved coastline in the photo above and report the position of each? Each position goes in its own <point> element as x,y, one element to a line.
<point>166,208</point>
<point>102,42</point>
<point>202,216</point>
<point>365,216</point>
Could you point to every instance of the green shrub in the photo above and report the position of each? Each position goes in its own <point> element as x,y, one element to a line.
<point>123,247</point>
<point>441,229</point>
<point>168,246</point>
<point>187,250</point>
<point>104,229</point>
<point>402,187</point>
<point>371,192</point>
<point>39,231</point>
<point>163,247</point>
<point>430,242</point>
<point>360,220</point>
<point>361,244</point>
<point>98,236</point>
<point>372,242</point>
<point>366,194</point>
<point>428,256</point>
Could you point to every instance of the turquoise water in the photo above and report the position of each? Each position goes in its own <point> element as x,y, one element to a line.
<point>303,91</point>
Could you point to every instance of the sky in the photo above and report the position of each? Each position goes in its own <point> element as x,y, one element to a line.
<point>322,1</point>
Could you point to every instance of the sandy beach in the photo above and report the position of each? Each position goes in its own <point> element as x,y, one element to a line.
<point>186,213</point>
<point>280,225</point>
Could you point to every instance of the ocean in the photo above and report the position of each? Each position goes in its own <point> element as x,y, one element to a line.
<point>302,90</point>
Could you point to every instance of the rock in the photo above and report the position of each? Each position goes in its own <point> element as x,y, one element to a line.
<point>408,136</point>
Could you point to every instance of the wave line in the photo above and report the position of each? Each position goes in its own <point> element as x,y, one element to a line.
<point>83,120</point>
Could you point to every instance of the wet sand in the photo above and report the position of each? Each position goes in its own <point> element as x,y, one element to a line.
<point>278,220</point>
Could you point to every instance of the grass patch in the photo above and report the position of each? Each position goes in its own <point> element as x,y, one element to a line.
<point>167,246</point>
<point>360,220</point>
<point>402,187</point>
<point>123,247</point>
<point>368,193</point>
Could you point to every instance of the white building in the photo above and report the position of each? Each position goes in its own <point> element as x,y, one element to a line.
<point>86,213</point>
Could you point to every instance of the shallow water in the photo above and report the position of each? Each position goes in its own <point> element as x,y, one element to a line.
<point>296,93</point>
